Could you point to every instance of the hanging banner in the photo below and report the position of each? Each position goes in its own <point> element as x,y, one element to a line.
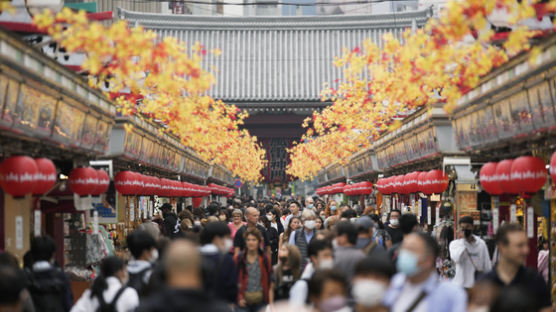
<point>437,214</point>
<point>513,212</point>
<point>37,223</point>
<point>95,222</point>
<point>131,211</point>
<point>19,232</point>
<point>530,222</point>
<point>495,214</point>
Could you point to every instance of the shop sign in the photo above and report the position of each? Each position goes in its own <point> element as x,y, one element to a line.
<point>414,146</point>
<point>530,222</point>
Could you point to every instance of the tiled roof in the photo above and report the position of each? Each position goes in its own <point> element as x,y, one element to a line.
<point>275,58</point>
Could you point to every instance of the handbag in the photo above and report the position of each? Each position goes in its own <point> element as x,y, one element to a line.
<point>253,297</point>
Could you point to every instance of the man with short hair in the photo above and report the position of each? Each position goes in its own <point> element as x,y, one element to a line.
<point>295,212</point>
<point>393,227</point>
<point>328,290</point>
<point>219,270</point>
<point>142,247</point>
<point>303,236</point>
<point>346,256</point>
<point>321,257</point>
<point>184,283</point>
<point>510,272</point>
<point>370,282</point>
<point>417,286</point>
<point>12,289</point>
<point>252,217</point>
<point>408,223</point>
<point>48,285</point>
<point>365,241</point>
<point>470,253</point>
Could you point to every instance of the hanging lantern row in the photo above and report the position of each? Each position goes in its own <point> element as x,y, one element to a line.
<point>133,183</point>
<point>331,189</point>
<point>21,175</point>
<point>361,188</point>
<point>85,181</point>
<point>221,190</point>
<point>431,182</point>
<point>523,175</point>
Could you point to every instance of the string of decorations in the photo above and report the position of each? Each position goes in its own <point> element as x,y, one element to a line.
<point>169,80</point>
<point>434,65</point>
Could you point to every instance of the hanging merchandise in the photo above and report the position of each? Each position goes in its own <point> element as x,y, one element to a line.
<point>17,175</point>
<point>528,174</point>
<point>45,177</point>
<point>489,179</point>
<point>553,168</point>
<point>83,181</point>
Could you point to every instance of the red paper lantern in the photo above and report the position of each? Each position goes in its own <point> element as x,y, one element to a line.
<point>528,173</point>
<point>400,189</point>
<point>83,181</point>
<point>103,183</point>
<point>411,182</point>
<point>439,181</point>
<point>489,180</point>
<point>337,188</point>
<point>126,183</point>
<point>424,183</point>
<point>553,168</point>
<point>17,175</point>
<point>158,189</point>
<point>346,190</point>
<point>503,173</point>
<point>45,177</point>
<point>361,188</point>
<point>387,186</point>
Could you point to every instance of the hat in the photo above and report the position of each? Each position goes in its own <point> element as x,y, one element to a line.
<point>364,223</point>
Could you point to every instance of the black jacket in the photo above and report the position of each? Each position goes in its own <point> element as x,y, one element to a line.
<point>170,222</point>
<point>178,300</point>
<point>219,276</point>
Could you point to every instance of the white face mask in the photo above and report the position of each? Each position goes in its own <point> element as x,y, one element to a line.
<point>326,264</point>
<point>269,217</point>
<point>228,244</point>
<point>197,222</point>
<point>395,222</point>
<point>310,224</point>
<point>368,293</point>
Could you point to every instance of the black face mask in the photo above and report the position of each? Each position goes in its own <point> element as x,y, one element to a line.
<point>467,233</point>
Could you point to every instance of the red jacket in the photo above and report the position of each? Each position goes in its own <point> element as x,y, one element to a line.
<point>241,264</point>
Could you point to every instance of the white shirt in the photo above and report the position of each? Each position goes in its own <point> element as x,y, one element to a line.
<point>128,301</point>
<point>300,289</point>
<point>465,270</point>
<point>409,295</point>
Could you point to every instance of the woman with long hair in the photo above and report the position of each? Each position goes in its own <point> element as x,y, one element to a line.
<point>295,223</point>
<point>254,272</point>
<point>332,209</point>
<point>287,272</point>
<point>109,290</point>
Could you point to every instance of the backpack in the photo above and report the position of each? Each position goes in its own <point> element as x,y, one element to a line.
<point>47,289</point>
<point>137,281</point>
<point>110,307</point>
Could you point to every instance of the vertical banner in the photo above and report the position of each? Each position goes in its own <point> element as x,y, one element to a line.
<point>530,222</point>
<point>37,223</point>
<point>437,214</point>
<point>132,210</point>
<point>495,213</point>
<point>95,222</point>
<point>19,232</point>
<point>429,221</point>
<point>513,212</point>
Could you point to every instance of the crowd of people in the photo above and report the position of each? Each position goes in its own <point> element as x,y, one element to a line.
<point>287,255</point>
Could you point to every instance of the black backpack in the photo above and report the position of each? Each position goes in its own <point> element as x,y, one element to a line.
<point>110,307</point>
<point>137,281</point>
<point>47,289</point>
